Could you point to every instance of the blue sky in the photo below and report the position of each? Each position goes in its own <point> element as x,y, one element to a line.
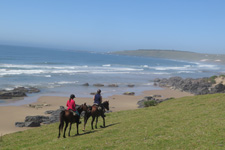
<point>109,25</point>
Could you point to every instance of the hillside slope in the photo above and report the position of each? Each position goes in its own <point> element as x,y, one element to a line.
<point>174,54</point>
<point>195,122</point>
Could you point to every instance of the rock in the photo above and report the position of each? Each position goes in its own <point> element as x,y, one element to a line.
<point>157,80</point>
<point>49,111</point>
<point>32,124</point>
<point>113,85</point>
<point>38,105</point>
<point>93,93</point>
<point>20,124</point>
<point>219,88</point>
<point>35,121</point>
<point>129,93</point>
<point>46,105</point>
<point>202,91</point>
<point>61,107</point>
<point>147,98</point>
<point>33,90</point>
<point>5,95</point>
<point>85,84</point>
<point>156,95</point>
<point>98,84</point>
<point>17,92</point>
<point>39,119</point>
<point>130,85</point>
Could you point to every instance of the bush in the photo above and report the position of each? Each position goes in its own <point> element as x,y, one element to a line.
<point>212,79</point>
<point>150,103</point>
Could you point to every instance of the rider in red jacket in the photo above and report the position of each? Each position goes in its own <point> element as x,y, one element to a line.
<point>71,104</point>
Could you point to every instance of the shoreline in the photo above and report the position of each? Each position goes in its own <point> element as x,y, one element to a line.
<point>11,114</point>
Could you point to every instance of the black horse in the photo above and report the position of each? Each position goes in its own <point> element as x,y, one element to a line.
<point>95,112</point>
<point>68,117</point>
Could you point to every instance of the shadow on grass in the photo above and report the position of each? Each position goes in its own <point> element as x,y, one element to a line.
<point>110,125</point>
<point>93,131</point>
<point>88,132</point>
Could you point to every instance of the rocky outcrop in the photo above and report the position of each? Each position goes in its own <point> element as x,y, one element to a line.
<point>198,86</point>
<point>17,92</point>
<point>35,121</point>
<point>152,98</point>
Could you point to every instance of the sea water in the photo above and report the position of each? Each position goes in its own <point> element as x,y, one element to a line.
<point>62,72</point>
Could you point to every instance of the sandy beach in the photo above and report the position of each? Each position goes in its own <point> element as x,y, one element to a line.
<point>11,114</point>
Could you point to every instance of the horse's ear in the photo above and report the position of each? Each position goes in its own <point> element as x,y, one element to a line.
<point>84,103</point>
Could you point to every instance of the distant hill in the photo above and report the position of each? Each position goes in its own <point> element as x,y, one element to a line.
<point>174,54</point>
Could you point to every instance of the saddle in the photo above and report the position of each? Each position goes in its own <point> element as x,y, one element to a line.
<point>99,107</point>
<point>74,113</point>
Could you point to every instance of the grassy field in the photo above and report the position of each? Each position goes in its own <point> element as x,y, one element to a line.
<point>196,122</point>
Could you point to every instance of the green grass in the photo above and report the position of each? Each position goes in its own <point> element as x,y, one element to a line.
<point>196,122</point>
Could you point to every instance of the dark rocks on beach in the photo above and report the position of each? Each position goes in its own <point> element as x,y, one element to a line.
<point>17,92</point>
<point>36,118</point>
<point>113,85</point>
<point>129,93</point>
<point>32,124</point>
<point>10,94</point>
<point>20,124</point>
<point>35,121</point>
<point>85,84</point>
<point>130,85</point>
<point>98,84</point>
<point>93,93</point>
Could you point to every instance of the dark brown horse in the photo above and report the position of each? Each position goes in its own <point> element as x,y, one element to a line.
<point>68,117</point>
<point>95,113</point>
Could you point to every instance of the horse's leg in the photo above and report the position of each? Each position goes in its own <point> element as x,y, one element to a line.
<point>96,122</point>
<point>60,125</point>
<point>85,121</point>
<point>65,130</point>
<point>69,129</point>
<point>93,119</point>
<point>103,117</point>
<point>77,128</point>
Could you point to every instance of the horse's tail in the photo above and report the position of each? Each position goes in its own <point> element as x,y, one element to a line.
<point>61,119</point>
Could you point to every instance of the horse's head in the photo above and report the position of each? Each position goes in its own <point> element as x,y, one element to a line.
<point>106,104</point>
<point>82,107</point>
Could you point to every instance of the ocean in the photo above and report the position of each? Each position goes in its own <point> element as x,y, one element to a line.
<point>62,72</point>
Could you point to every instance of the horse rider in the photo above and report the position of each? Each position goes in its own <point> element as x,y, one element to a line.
<point>98,99</point>
<point>71,105</point>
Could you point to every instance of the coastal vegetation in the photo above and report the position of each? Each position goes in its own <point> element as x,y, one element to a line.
<point>195,122</point>
<point>175,54</point>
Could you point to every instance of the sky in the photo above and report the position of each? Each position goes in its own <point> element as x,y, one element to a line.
<point>113,25</point>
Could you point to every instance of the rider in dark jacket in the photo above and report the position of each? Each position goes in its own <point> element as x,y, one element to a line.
<point>98,98</point>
